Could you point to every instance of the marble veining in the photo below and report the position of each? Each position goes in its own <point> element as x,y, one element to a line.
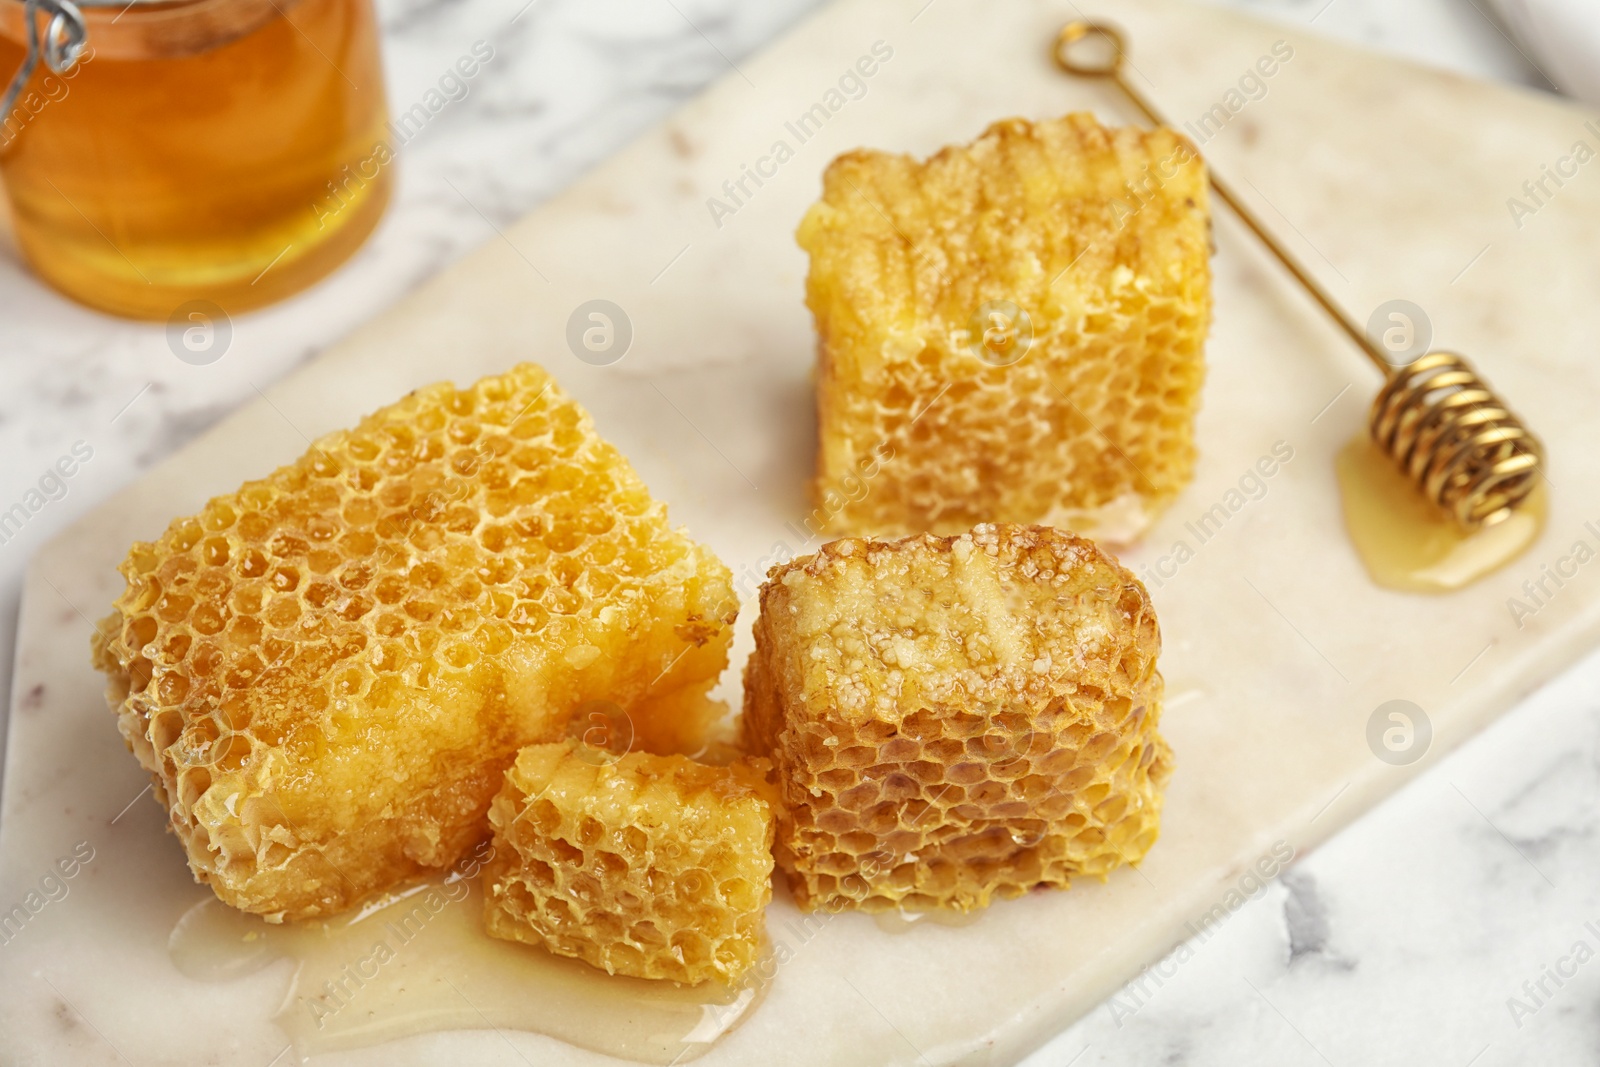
<point>1404,938</point>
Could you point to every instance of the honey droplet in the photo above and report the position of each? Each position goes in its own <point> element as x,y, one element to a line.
<point>1408,544</point>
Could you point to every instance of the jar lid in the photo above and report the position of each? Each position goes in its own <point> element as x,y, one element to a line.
<point>60,46</point>
<point>57,31</point>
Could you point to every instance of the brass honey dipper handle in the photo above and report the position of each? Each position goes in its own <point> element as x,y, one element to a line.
<point>1452,437</point>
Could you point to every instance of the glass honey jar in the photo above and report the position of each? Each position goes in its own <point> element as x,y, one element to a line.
<point>178,150</point>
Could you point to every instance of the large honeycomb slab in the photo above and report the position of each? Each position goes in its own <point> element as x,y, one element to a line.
<point>954,719</point>
<point>328,671</point>
<point>643,865</point>
<point>1010,331</point>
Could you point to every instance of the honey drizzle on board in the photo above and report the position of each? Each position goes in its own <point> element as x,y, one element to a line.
<point>418,961</point>
<point>901,921</point>
<point>1407,544</point>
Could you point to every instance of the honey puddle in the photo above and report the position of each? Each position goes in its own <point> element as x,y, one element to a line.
<point>1180,695</point>
<point>1408,544</point>
<point>418,961</point>
<point>900,920</point>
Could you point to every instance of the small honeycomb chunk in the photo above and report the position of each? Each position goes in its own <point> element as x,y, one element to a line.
<point>956,718</point>
<point>1010,331</point>
<point>649,866</point>
<point>328,671</point>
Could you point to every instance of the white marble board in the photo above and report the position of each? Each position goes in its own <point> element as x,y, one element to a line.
<point>1388,180</point>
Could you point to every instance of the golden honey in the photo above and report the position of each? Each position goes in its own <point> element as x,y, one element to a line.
<point>417,961</point>
<point>195,149</point>
<point>641,865</point>
<point>1407,543</point>
<point>1010,331</point>
<point>328,672</point>
<point>954,720</point>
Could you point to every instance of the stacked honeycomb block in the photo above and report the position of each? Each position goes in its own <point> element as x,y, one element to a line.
<point>328,672</point>
<point>1010,331</point>
<point>643,865</point>
<point>954,719</point>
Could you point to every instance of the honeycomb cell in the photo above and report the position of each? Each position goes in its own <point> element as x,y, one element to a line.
<point>644,865</point>
<point>982,668</point>
<point>939,404</point>
<point>379,692</point>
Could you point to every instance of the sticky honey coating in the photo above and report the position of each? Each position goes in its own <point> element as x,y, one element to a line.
<point>328,672</point>
<point>954,719</point>
<point>1101,238</point>
<point>642,865</point>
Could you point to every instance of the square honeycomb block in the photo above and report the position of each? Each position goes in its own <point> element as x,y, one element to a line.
<point>1010,331</point>
<point>643,865</point>
<point>328,671</point>
<point>954,719</point>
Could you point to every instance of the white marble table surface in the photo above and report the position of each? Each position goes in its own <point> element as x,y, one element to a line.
<point>1401,941</point>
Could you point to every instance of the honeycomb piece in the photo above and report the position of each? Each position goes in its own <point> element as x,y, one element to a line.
<point>328,671</point>
<point>956,718</point>
<point>928,280</point>
<point>643,865</point>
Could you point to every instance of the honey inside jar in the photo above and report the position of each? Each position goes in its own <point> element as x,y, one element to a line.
<point>222,150</point>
